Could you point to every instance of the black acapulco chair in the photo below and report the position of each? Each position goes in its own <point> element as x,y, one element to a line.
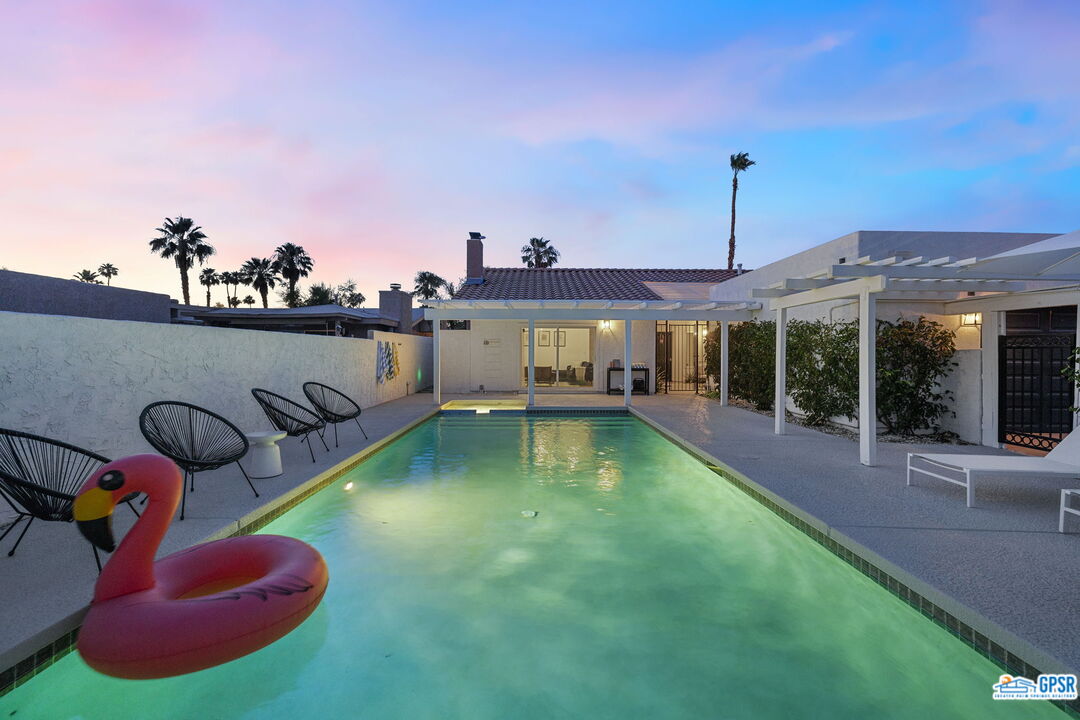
<point>194,438</point>
<point>291,418</point>
<point>334,406</point>
<point>40,476</point>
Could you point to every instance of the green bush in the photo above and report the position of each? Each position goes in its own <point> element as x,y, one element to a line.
<point>822,369</point>
<point>913,357</point>
<point>751,358</point>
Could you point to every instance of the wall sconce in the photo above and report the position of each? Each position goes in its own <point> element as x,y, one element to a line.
<point>605,325</point>
<point>970,319</point>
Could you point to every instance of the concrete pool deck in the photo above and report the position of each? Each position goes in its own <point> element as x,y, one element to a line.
<point>1001,566</point>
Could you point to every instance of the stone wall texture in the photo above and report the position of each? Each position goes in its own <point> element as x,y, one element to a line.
<point>26,293</point>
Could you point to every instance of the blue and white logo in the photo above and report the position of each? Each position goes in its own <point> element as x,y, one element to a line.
<point>1045,687</point>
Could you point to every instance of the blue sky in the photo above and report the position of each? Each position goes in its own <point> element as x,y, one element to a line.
<point>378,134</point>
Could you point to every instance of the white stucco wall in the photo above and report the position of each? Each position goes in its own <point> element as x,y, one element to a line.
<point>85,381</point>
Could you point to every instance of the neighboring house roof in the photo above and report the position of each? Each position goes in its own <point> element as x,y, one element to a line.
<point>312,312</point>
<point>681,290</point>
<point>583,283</point>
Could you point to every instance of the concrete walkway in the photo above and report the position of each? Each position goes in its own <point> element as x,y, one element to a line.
<point>1002,559</point>
<point>46,585</point>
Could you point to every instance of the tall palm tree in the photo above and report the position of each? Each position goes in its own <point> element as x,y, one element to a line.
<point>183,241</point>
<point>248,300</point>
<point>427,285</point>
<point>293,262</point>
<point>539,253</point>
<point>739,162</point>
<point>87,276</point>
<point>261,274</point>
<point>209,278</point>
<point>108,271</point>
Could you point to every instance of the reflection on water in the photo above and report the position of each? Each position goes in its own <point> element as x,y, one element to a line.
<point>643,586</point>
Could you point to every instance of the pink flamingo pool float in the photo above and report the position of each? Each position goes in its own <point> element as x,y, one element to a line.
<point>196,608</point>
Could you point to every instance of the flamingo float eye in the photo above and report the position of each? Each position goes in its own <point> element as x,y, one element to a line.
<point>112,480</point>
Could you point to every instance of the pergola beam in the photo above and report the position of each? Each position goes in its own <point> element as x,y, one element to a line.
<point>839,291</point>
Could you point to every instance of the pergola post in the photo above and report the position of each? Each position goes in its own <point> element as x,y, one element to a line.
<point>436,363</point>
<point>628,374</point>
<point>723,363</point>
<point>531,373</point>
<point>989,332</point>
<point>867,377</point>
<point>780,399</point>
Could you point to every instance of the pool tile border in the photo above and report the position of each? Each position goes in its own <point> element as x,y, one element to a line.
<point>986,646</point>
<point>25,669</point>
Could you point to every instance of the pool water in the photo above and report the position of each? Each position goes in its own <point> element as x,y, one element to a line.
<point>643,586</point>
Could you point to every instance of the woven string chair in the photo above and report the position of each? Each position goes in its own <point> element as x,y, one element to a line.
<point>194,438</point>
<point>39,478</point>
<point>290,417</point>
<point>333,405</point>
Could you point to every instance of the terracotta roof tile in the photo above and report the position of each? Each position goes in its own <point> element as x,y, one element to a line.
<point>581,283</point>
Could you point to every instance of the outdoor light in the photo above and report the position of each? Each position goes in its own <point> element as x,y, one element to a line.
<point>605,324</point>
<point>970,319</point>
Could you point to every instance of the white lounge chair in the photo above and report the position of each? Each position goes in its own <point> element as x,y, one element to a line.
<point>1061,462</point>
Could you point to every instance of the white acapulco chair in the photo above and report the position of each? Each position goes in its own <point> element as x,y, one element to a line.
<point>1061,462</point>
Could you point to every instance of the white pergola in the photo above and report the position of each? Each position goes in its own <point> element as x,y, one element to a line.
<point>963,286</point>
<point>530,311</point>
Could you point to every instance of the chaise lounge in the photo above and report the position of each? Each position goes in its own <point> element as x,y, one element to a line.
<point>1061,462</point>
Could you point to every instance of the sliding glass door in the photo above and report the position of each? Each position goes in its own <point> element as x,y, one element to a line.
<point>564,357</point>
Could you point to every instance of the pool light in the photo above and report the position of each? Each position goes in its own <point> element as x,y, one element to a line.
<point>349,485</point>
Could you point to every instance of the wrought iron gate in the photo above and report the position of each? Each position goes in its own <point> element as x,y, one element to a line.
<point>1034,399</point>
<point>680,357</point>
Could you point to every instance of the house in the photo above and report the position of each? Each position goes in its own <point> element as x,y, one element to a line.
<point>394,314</point>
<point>1014,686</point>
<point>1010,298</point>
<point>566,320</point>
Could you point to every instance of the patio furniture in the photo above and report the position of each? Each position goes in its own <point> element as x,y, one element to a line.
<point>292,418</point>
<point>194,438</point>
<point>543,374</point>
<point>334,406</point>
<point>1061,462</point>
<point>39,478</point>
<point>1065,509</point>
<point>264,457</point>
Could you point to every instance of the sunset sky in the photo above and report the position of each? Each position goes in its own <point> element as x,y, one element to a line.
<point>377,135</point>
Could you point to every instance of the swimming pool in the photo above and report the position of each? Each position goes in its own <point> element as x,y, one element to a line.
<point>644,586</point>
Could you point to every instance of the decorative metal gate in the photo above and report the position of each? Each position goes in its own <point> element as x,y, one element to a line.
<point>680,356</point>
<point>1034,399</point>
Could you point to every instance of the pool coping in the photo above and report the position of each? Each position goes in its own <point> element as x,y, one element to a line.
<point>26,659</point>
<point>1002,647</point>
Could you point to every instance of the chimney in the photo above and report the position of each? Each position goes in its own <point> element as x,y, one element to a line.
<point>397,305</point>
<point>474,259</point>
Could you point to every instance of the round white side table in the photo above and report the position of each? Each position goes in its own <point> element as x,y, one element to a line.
<point>264,457</point>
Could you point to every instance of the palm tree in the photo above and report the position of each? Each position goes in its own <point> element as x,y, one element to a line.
<point>347,295</point>
<point>185,242</point>
<point>319,294</point>
<point>539,253</point>
<point>427,285</point>
<point>248,300</point>
<point>230,278</point>
<point>261,274</point>
<point>209,278</point>
<point>739,162</point>
<point>293,262</point>
<point>234,302</point>
<point>108,271</point>
<point>87,276</point>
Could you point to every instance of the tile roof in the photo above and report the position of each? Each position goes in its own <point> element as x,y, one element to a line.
<point>581,283</point>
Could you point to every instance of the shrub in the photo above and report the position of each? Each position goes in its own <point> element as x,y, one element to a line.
<point>751,358</point>
<point>822,369</point>
<point>913,357</point>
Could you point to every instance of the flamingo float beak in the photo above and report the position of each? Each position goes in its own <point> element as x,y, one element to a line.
<point>93,514</point>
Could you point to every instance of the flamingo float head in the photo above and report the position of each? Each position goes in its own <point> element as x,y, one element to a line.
<point>154,475</point>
